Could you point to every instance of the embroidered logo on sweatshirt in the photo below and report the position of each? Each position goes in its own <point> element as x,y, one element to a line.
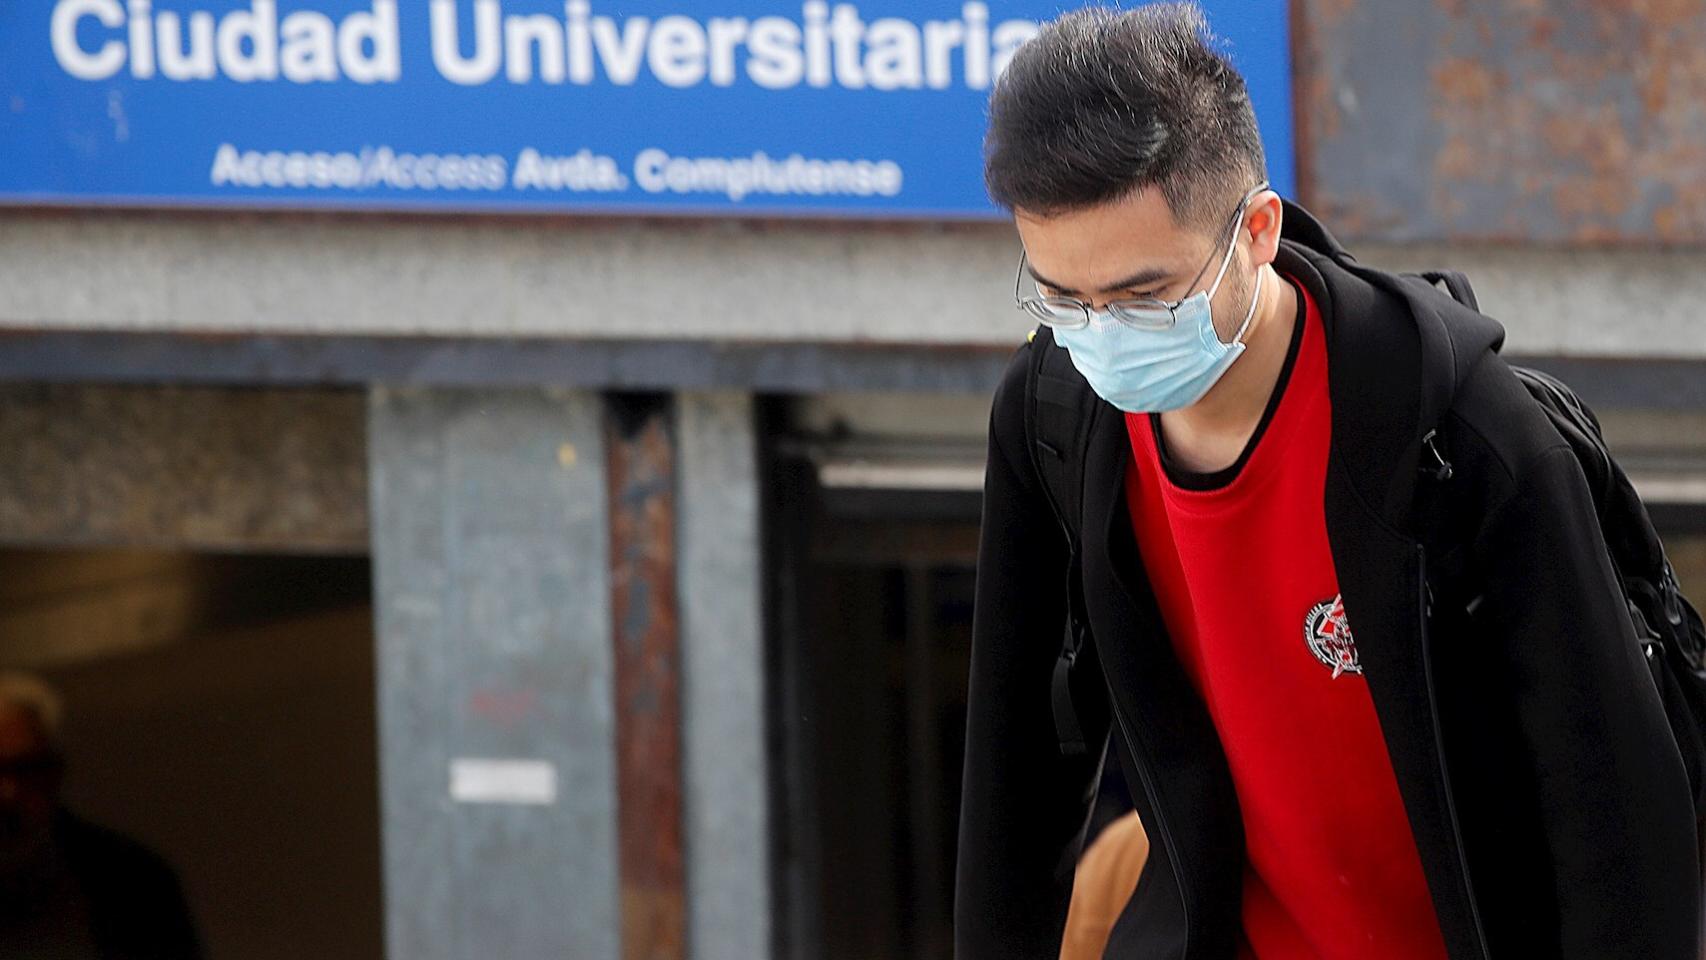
<point>1329,637</point>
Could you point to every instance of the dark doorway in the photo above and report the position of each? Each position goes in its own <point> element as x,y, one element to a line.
<point>872,599</point>
<point>218,710</point>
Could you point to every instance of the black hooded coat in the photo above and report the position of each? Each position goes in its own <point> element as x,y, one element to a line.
<point>1549,803</point>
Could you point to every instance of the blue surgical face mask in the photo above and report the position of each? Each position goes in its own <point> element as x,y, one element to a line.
<point>1167,366</point>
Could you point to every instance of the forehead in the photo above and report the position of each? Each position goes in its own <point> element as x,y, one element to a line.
<point>1090,249</point>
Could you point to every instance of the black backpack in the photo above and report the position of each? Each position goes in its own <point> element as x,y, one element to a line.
<point>1059,412</point>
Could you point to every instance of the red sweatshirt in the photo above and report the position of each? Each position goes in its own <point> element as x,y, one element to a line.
<point>1240,564</point>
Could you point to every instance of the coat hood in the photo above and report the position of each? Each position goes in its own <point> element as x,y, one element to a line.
<point>1398,349</point>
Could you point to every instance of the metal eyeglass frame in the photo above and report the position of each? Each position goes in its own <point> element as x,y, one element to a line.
<point>1141,313</point>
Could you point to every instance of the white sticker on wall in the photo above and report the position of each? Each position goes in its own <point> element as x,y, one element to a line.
<point>482,780</point>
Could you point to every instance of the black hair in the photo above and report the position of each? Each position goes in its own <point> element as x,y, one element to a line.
<point>1104,103</point>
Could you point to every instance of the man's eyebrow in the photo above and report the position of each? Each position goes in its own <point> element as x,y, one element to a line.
<point>1142,278</point>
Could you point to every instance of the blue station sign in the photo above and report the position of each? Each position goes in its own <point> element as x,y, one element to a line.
<point>646,107</point>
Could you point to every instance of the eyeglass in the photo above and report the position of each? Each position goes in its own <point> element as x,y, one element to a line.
<point>1143,313</point>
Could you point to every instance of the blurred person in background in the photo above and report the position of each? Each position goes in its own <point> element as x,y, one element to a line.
<point>1248,518</point>
<point>70,890</point>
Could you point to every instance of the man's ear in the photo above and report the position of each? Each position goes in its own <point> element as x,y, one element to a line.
<point>1263,222</point>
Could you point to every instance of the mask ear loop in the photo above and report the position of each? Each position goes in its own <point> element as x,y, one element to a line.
<point>1232,245</point>
<point>1255,298</point>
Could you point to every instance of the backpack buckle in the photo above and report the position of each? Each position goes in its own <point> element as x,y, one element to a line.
<point>1066,725</point>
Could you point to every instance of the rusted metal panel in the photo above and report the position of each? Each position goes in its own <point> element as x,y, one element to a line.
<point>1552,121</point>
<point>199,468</point>
<point>640,448</point>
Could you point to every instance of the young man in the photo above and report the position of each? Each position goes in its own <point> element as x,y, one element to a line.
<point>1372,706</point>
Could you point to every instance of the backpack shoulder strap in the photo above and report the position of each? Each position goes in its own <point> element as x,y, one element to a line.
<point>1456,283</point>
<point>1058,405</point>
<point>1059,408</point>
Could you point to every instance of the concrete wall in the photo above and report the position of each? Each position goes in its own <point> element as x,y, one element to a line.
<point>695,281</point>
<point>216,469</point>
<point>491,584</point>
